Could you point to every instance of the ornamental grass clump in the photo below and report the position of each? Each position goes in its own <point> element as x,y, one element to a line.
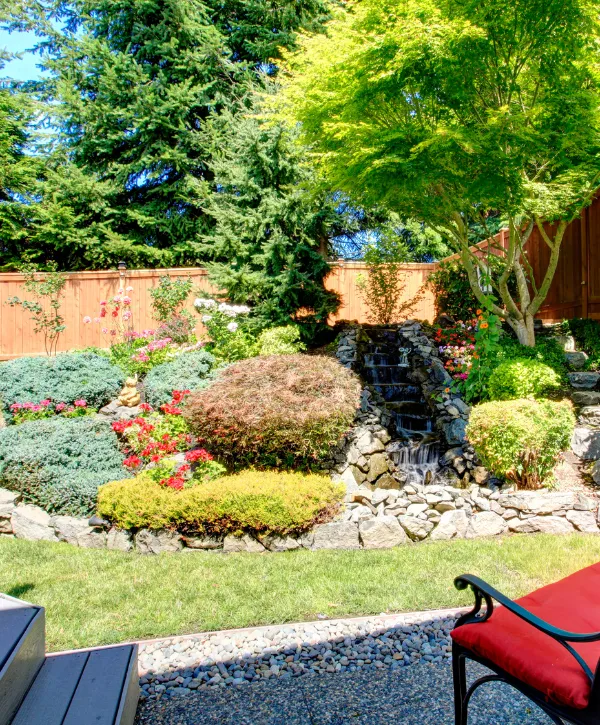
<point>521,440</point>
<point>522,378</point>
<point>62,379</point>
<point>276,411</point>
<point>59,463</point>
<point>258,502</point>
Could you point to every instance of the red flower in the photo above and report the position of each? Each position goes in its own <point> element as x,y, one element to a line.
<point>103,312</point>
<point>146,407</point>
<point>132,462</point>
<point>198,455</point>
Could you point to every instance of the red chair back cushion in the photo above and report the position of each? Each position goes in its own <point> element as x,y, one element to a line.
<point>532,656</point>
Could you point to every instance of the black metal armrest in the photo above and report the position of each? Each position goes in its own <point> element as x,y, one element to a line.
<point>484,592</point>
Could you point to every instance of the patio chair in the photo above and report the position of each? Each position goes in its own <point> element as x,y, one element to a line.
<point>546,645</point>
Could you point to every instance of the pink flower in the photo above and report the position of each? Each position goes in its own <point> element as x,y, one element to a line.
<point>60,406</point>
<point>16,406</point>
<point>46,402</point>
<point>127,315</point>
<point>86,320</point>
<point>104,331</point>
<point>126,300</point>
<point>128,289</point>
<point>96,320</point>
<point>117,299</point>
<point>103,303</point>
<point>121,291</point>
<point>81,403</point>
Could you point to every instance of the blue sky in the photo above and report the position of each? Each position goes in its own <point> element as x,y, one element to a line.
<point>24,69</point>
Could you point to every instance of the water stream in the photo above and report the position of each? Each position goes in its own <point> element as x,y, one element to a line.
<point>385,365</point>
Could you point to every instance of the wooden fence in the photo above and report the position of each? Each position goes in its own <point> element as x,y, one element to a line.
<point>85,290</point>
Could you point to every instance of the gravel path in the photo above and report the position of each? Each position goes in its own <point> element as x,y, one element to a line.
<point>416,695</point>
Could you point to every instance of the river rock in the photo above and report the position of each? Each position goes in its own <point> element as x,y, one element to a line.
<point>336,535</point>
<point>234,544</point>
<point>486,523</point>
<point>584,381</point>
<point>586,443</point>
<point>416,528</point>
<point>119,540</point>
<point>78,532</point>
<point>115,411</point>
<point>452,525</point>
<point>583,521</point>
<point>383,532</point>
<point>157,542</point>
<point>589,416</point>
<point>33,523</point>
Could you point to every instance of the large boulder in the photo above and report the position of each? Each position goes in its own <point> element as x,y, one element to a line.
<point>78,532</point>
<point>416,528</point>
<point>157,542</point>
<point>586,443</point>
<point>382,532</point>
<point>486,523</point>
<point>455,432</point>
<point>544,502</point>
<point>583,521</point>
<point>119,540</point>
<point>452,525</point>
<point>235,544</point>
<point>584,381</point>
<point>541,524</point>
<point>33,523</point>
<point>576,359</point>
<point>281,543</point>
<point>585,397</point>
<point>336,535</point>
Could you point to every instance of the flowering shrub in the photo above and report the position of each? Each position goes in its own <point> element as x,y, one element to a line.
<point>259,502</point>
<point>199,466</point>
<point>23,412</point>
<point>115,316</point>
<point>456,346</point>
<point>154,435</point>
<point>62,380</point>
<point>190,370</point>
<point>521,440</point>
<point>180,328</point>
<point>58,463</point>
<point>280,410</point>
<point>228,327</point>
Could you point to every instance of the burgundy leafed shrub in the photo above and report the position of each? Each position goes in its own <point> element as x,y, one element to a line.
<point>279,410</point>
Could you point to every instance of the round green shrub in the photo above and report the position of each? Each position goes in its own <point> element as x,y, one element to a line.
<point>280,341</point>
<point>61,379</point>
<point>275,411</point>
<point>522,378</point>
<point>259,502</point>
<point>58,463</point>
<point>521,440</point>
<point>188,371</point>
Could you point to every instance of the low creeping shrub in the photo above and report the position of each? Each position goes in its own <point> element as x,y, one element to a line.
<point>189,371</point>
<point>266,502</point>
<point>280,341</point>
<point>59,463</point>
<point>522,378</point>
<point>521,440</point>
<point>61,379</point>
<point>276,411</point>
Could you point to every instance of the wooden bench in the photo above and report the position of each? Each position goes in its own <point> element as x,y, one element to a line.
<point>85,687</point>
<point>546,645</point>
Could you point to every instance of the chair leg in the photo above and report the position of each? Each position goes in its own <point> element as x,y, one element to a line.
<point>459,675</point>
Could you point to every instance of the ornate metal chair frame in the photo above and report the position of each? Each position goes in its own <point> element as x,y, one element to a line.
<point>462,694</point>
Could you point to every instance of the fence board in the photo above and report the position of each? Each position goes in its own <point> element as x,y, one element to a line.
<point>85,290</point>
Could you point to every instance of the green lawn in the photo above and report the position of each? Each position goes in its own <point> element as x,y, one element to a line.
<point>101,597</point>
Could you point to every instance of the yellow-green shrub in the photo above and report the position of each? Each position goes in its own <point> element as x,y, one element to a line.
<point>262,502</point>
<point>522,378</point>
<point>521,440</point>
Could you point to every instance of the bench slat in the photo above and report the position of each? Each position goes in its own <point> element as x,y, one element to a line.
<point>99,691</point>
<point>49,697</point>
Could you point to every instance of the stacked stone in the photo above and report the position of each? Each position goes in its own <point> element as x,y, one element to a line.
<point>586,437</point>
<point>346,351</point>
<point>223,659</point>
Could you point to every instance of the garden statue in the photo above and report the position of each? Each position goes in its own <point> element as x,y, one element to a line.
<point>130,395</point>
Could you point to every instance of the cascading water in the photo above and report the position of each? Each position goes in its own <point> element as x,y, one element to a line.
<point>415,448</point>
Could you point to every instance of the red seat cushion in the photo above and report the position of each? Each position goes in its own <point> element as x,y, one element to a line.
<point>532,656</point>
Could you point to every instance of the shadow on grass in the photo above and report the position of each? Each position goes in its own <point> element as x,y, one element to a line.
<point>19,590</point>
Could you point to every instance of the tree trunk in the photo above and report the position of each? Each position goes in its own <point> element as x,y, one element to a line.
<point>524,330</point>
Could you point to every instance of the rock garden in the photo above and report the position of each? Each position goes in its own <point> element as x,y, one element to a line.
<point>243,441</point>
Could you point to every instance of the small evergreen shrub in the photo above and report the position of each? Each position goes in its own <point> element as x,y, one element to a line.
<point>522,378</point>
<point>521,440</point>
<point>281,410</point>
<point>280,341</point>
<point>188,371</point>
<point>587,336</point>
<point>61,379</point>
<point>59,463</point>
<point>266,502</point>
